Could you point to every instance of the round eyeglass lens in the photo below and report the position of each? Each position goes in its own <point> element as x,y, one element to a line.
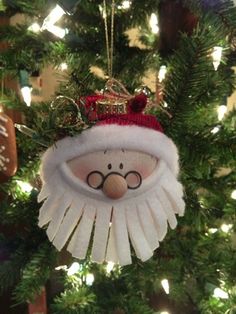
<point>95,179</point>
<point>133,179</point>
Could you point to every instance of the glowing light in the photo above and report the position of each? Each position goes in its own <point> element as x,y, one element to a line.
<point>165,312</point>
<point>213,230</point>
<point>63,66</point>
<point>35,27</point>
<point>102,11</point>
<point>109,267</point>
<point>64,267</point>
<point>53,16</point>
<point>57,31</point>
<point>162,73</point>
<point>124,5</point>
<point>233,195</point>
<point>89,279</point>
<point>216,56</point>
<point>165,104</point>
<point>215,130</point>
<point>226,228</point>
<point>165,285</point>
<point>25,187</point>
<point>51,19</point>
<point>73,269</point>
<point>221,112</point>
<point>221,294</point>
<point>153,22</point>
<point>26,94</point>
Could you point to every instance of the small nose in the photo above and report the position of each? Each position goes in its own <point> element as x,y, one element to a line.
<point>115,186</point>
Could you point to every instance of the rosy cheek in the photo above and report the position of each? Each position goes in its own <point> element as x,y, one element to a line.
<point>80,171</point>
<point>145,170</point>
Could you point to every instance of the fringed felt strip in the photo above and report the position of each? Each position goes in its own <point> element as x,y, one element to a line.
<point>166,205</point>
<point>121,235</point>
<point>80,240</point>
<point>103,218</point>
<point>111,254</point>
<point>148,225</point>
<point>58,216</point>
<point>159,217</point>
<point>137,237</point>
<point>69,223</point>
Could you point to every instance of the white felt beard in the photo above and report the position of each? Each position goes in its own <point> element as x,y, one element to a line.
<point>72,209</point>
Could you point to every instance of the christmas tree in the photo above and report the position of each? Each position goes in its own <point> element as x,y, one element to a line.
<point>181,54</point>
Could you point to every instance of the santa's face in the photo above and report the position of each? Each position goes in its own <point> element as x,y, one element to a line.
<point>114,172</point>
<point>109,199</point>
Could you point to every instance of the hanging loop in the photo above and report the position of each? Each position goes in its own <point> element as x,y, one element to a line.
<point>109,41</point>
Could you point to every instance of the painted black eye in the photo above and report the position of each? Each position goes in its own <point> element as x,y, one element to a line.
<point>121,166</point>
<point>109,166</point>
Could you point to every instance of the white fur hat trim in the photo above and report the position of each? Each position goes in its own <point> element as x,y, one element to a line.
<point>108,137</point>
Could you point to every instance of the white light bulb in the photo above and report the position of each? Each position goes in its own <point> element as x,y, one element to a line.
<point>215,130</point>
<point>226,228</point>
<point>64,267</point>
<point>216,56</point>
<point>63,66</point>
<point>213,230</point>
<point>165,285</point>
<point>109,267</point>
<point>153,22</point>
<point>57,31</point>
<point>89,279</point>
<point>124,5</point>
<point>51,19</point>
<point>221,112</point>
<point>26,94</point>
<point>25,187</point>
<point>221,294</point>
<point>53,16</point>
<point>102,11</point>
<point>35,27</point>
<point>162,73</point>
<point>74,268</point>
<point>233,195</point>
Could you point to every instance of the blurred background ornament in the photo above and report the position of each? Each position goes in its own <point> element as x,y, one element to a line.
<point>8,152</point>
<point>211,4</point>
<point>173,19</point>
<point>39,305</point>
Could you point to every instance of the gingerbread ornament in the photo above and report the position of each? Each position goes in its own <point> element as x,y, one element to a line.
<point>8,152</point>
<point>112,186</point>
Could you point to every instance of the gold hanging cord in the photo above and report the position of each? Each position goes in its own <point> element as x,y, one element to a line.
<point>115,91</point>
<point>109,41</point>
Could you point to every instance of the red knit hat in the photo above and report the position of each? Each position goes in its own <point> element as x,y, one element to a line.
<point>118,124</point>
<point>122,113</point>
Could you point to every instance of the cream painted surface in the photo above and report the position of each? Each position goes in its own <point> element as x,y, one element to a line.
<point>49,81</point>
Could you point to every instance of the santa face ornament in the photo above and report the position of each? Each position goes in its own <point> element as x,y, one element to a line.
<point>112,186</point>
